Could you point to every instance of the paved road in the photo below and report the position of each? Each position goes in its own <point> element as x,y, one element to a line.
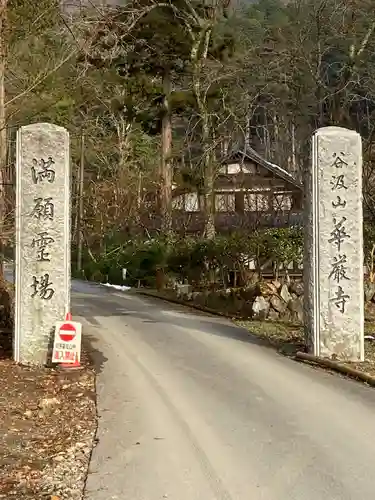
<point>191,408</point>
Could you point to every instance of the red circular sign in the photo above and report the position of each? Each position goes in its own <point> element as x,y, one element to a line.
<point>67,332</point>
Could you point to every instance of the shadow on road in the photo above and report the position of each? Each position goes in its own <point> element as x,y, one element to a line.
<point>97,358</point>
<point>134,308</point>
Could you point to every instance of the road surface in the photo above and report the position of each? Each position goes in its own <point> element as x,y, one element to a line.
<point>192,408</point>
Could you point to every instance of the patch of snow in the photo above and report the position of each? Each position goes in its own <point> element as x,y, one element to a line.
<point>285,172</point>
<point>272,165</point>
<point>123,288</point>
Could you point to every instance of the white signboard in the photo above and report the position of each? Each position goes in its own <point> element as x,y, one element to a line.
<point>67,342</point>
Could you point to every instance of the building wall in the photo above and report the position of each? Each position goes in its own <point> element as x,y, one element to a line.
<point>246,196</point>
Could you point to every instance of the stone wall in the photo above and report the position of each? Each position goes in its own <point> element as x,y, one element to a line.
<point>279,301</point>
<point>271,300</point>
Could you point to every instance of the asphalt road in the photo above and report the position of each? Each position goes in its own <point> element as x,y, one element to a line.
<point>192,408</point>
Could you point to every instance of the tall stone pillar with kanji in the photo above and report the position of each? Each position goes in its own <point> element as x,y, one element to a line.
<point>42,239</point>
<point>333,269</point>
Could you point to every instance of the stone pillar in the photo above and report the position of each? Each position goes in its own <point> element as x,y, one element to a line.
<point>333,270</point>
<point>42,239</point>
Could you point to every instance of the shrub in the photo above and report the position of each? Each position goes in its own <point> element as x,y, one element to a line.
<point>200,261</point>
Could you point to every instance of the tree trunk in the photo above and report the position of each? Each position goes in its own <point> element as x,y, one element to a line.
<point>199,54</point>
<point>165,195</point>
<point>80,213</point>
<point>209,181</point>
<point>294,158</point>
<point>3,129</point>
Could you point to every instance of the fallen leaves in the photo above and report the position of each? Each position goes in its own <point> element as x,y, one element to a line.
<point>44,414</point>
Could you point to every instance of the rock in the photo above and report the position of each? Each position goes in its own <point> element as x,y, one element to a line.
<point>28,413</point>
<point>265,288</point>
<point>260,308</point>
<point>262,289</point>
<point>171,282</point>
<point>183,290</point>
<point>298,288</point>
<point>369,291</point>
<point>48,403</point>
<point>276,284</point>
<point>287,315</point>
<point>284,294</point>
<point>272,289</point>
<point>47,406</point>
<point>273,315</point>
<point>296,307</point>
<point>278,304</point>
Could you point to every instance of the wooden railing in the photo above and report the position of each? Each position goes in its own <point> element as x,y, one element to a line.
<point>193,222</point>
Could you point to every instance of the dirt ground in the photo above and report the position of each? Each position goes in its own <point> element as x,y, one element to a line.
<point>47,429</point>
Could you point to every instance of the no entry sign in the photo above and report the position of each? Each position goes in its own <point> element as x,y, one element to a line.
<point>67,332</point>
<point>67,342</point>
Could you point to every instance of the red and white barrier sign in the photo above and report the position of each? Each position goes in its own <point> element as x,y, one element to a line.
<point>67,342</point>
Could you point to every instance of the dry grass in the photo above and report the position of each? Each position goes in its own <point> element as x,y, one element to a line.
<point>288,339</point>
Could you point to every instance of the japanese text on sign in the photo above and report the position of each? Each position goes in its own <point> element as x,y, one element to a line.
<point>339,234</point>
<point>43,170</point>
<point>44,210</point>
<point>41,243</point>
<point>64,355</point>
<point>67,342</point>
<point>42,286</point>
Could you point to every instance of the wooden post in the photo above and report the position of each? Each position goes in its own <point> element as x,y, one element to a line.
<point>3,129</point>
<point>80,204</point>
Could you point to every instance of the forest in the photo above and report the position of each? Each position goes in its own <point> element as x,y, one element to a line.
<point>154,93</point>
